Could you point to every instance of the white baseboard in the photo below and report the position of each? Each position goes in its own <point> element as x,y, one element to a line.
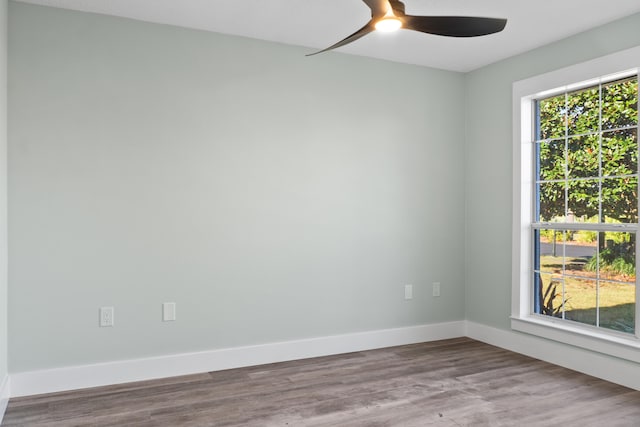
<point>608,368</point>
<point>85,376</point>
<point>77,377</point>
<point>4,395</point>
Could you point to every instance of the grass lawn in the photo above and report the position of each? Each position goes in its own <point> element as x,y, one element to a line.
<point>583,296</point>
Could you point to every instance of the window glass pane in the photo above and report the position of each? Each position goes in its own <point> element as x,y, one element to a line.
<point>582,156</point>
<point>552,201</point>
<point>620,104</point>
<point>550,295</point>
<point>583,111</point>
<point>581,301</point>
<point>552,160</point>
<point>620,199</point>
<point>550,251</point>
<point>552,117</point>
<point>580,252</point>
<point>586,238</point>
<point>584,197</point>
<point>617,256</point>
<point>617,306</point>
<point>620,152</point>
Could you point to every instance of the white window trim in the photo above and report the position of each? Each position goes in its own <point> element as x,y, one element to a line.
<point>523,319</point>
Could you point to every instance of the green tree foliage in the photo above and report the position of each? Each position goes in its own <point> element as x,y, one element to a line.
<point>588,151</point>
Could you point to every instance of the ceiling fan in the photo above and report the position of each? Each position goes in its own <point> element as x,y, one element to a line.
<point>388,15</point>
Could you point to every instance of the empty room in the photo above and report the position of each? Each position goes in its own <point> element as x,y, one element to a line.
<point>319,213</point>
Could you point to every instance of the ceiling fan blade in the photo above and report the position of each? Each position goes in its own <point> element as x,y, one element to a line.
<point>378,7</point>
<point>454,26</point>
<point>353,37</point>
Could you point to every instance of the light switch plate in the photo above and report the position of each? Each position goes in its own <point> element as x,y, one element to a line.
<point>408,291</point>
<point>436,289</point>
<point>168,311</point>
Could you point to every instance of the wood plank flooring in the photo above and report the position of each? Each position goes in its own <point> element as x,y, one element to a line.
<point>459,382</point>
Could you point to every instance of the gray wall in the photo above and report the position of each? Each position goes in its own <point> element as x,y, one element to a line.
<point>488,162</point>
<point>271,196</point>
<point>3,192</point>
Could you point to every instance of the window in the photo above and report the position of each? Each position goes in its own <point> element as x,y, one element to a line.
<point>586,205</point>
<point>576,205</point>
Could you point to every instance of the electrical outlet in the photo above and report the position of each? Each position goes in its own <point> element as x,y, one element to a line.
<point>436,289</point>
<point>408,291</point>
<point>168,311</point>
<point>106,317</point>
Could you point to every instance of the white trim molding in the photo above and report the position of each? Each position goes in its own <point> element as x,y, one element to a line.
<point>5,392</point>
<point>118,372</point>
<point>608,368</point>
<point>613,344</point>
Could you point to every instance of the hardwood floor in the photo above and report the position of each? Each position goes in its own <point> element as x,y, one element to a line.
<point>459,382</point>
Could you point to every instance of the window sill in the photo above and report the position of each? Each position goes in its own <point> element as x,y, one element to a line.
<point>617,345</point>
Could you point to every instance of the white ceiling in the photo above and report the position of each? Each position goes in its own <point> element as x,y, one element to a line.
<point>320,23</point>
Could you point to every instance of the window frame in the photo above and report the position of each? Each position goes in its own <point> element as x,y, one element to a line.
<point>525,93</point>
